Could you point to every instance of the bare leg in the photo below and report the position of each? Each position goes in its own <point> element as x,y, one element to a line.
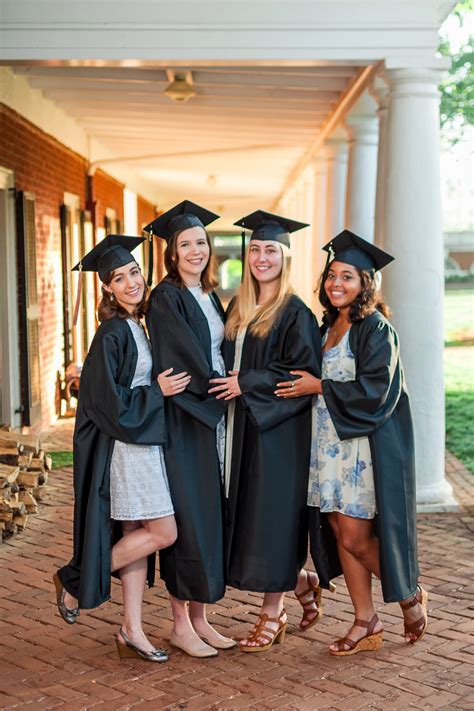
<point>149,537</point>
<point>198,617</point>
<point>356,551</point>
<point>358,538</point>
<point>183,634</point>
<point>133,577</point>
<point>272,606</point>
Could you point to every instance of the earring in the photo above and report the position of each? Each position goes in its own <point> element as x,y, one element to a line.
<point>111,298</point>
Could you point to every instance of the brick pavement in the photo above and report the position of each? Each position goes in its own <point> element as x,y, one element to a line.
<point>46,664</point>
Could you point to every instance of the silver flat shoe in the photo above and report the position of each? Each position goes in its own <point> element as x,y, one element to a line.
<point>69,615</point>
<point>130,650</point>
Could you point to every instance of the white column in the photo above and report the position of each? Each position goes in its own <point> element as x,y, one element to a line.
<point>319,220</point>
<point>414,283</point>
<point>380,93</point>
<point>337,155</point>
<point>362,124</point>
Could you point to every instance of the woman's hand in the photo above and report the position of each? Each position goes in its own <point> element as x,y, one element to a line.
<point>228,388</point>
<point>306,384</point>
<point>173,384</point>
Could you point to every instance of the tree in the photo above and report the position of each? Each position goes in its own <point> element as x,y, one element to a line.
<point>457,90</point>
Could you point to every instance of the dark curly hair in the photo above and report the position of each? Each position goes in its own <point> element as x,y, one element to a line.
<point>364,304</point>
<point>109,307</point>
<point>208,276</point>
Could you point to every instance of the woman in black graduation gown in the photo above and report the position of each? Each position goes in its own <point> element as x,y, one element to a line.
<point>362,466</point>
<point>186,325</point>
<point>119,469</point>
<point>269,330</point>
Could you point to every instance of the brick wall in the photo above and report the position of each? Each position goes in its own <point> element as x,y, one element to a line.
<point>48,169</point>
<point>107,192</point>
<point>146,212</point>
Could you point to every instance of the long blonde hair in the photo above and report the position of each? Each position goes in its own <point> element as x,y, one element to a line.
<point>243,313</point>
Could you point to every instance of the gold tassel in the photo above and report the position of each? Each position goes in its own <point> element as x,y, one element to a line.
<point>78,296</point>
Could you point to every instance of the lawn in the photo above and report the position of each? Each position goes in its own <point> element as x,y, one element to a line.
<point>459,374</point>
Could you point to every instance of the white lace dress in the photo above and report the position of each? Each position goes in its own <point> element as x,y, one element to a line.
<point>341,477</point>
<point>216,328</point>
<point>138,483</point>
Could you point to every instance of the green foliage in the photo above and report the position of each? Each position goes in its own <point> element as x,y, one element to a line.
<point>61,459</point>
<point>457,90</point>
<point>459,374</point>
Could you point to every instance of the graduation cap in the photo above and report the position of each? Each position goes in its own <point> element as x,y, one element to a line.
<point>348,248</point>
<point>110,253</point>
<point>266,226</point>
<point>180,217</point>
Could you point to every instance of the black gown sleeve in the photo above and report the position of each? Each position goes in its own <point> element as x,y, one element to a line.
<point>300,349</point>
<point>175,345</point>
<point>131,415</point>
<point>359,407</point>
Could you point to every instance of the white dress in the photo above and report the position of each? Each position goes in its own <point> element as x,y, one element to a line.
<point>216,328</point>
<point>341,476</point>
<point>138,483</point>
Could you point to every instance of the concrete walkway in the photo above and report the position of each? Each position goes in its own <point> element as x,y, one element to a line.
<point>46,664</point>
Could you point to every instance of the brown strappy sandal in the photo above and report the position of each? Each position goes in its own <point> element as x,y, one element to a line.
<point>369,643</point>
<point>418,627</point>
<point>262,632</point>
<point>310,615</point>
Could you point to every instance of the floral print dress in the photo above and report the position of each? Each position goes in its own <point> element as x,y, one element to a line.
<point>341,476</point>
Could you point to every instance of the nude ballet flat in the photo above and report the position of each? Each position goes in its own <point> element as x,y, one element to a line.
<point>220,643</point>
<point>199,650</point>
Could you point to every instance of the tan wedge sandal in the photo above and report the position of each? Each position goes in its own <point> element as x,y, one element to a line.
<point>369,643</point>
<point>265,637</point>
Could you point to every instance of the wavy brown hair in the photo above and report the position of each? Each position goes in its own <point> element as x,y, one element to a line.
<point>367,301</point>
<point>208,276</point>
<point>109,307</point>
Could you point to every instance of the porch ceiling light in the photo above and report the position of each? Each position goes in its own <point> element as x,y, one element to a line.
<point>181,86</point>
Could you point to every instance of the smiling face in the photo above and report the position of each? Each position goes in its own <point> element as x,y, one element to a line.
<point>192,254</point>
<point>265,260</point>
<point>342,285</point>
<point>128,286</point>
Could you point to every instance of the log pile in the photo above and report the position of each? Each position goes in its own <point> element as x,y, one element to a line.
<point>24,468</point>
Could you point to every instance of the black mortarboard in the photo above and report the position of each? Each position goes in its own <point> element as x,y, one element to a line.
<point>348,248</point>
<point>180,217</point>
<point>111,253</point>
<point>266,226</point>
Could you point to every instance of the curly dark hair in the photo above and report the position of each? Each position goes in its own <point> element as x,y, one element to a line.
<point>208,276</point>
<point>364,304</point>
<point>109,307</point>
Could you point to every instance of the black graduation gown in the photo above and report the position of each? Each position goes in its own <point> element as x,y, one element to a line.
<point>267,534</point>
<point>376,405</point>
<point>193,567</point>
<point>108,409</point>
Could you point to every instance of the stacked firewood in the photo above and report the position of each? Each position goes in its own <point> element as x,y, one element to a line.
<point>24,468</point>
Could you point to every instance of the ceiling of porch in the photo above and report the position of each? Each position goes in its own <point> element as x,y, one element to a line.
<point>232,146</point>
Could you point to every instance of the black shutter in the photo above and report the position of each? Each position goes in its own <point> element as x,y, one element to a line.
<point>28,310</point>
<point>66,267</point>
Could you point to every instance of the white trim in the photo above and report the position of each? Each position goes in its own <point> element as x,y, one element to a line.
<point>10,398</point>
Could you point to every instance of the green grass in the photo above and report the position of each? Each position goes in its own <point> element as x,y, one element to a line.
<point>459,317</point>
<point>61,459</point>
<point>459,374</point>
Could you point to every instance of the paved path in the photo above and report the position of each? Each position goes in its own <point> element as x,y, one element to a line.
<point>47,664</point>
